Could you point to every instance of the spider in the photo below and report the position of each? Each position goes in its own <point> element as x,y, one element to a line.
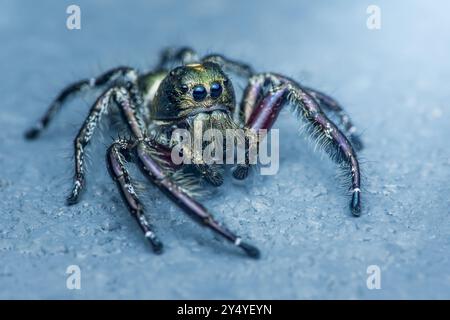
<point>153,104</point>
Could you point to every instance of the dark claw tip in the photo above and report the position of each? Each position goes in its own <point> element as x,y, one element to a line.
<point>31,134</point>
<point>355,205</point>
<point>157,246</point>
<point>71,200</point>
<point>240,172</point>
<point>250,250</point>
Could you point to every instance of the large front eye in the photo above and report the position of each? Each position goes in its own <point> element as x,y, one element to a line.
<point>216,90</point>
<point>199,93</point>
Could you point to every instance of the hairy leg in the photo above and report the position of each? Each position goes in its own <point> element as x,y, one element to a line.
<point>329,104</point>
<point>115,159</point>
<point>75,89</point>
<point>123,98</point>
<point>282,91</point>
<point>254,92</point>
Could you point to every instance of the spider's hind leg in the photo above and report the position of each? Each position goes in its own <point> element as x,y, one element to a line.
<point>172,56</point>
<point>75,89</point>
<point>115,159</point>
<point>242,69</point>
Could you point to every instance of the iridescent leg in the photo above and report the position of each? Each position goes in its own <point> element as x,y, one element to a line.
<point>279,91</point>
<point>159,177</point>
<point>115,159</point>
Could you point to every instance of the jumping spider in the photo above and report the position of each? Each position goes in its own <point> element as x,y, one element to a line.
<point>155,103</point>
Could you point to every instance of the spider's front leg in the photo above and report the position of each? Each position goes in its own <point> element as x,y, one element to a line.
<point>115,158</point>
<point>126,73</point>
<point>124,98</point>
<point>266,95</point>
<point>156,173</point>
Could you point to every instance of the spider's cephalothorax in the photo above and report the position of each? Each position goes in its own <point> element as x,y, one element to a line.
<point>155,103</point>
<point>191,89</point>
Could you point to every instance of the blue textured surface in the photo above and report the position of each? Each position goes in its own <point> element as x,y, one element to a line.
<point>394,83</point>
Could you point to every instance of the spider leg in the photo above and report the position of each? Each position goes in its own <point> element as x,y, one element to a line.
<point>159,177</point>
<point>73,90</point>
<point>240,68</point>
<point>171,56</point>
<point>186,55</point>
<point>115,158</point>
<point>282,91</point>
<point>252,95</point>
<point>123,97</point>
<point>329,104</point>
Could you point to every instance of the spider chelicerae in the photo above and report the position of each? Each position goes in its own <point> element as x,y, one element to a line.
<point>153,104</point>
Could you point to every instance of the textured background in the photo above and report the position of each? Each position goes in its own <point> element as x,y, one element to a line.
<point>394,82</point>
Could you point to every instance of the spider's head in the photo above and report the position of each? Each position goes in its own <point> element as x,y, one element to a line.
<point>191,90</point>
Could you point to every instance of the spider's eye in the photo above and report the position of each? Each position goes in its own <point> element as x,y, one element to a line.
<point>199,92</point>
<point>216,90</point>
<point>184,88</point>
